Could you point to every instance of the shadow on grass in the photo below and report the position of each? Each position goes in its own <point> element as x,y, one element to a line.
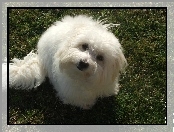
<point>41,106</point>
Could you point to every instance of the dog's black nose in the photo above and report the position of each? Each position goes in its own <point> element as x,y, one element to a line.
<point>82,65</point>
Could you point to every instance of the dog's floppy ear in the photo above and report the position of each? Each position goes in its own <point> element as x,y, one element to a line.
<point>120,64</point>
<point>122,61</point>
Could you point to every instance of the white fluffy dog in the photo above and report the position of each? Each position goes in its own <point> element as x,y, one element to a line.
<point>81,58</point>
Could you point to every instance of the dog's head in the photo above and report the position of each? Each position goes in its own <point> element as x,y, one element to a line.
<point>91,54</point>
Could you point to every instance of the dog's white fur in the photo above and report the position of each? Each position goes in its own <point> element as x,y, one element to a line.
<point>81,58</point>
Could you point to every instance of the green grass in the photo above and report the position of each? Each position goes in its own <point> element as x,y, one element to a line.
<point>142,97</point>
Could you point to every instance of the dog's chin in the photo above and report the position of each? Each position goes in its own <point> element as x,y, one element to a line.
<point>80,75</point>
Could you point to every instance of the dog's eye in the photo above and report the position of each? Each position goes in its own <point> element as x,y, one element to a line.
<point>85,47</point>
<point>100,58</point>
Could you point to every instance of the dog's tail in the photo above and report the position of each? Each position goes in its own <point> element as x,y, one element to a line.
<point>26,73</point>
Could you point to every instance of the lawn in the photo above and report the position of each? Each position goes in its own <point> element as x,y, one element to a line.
<point>142,97</point>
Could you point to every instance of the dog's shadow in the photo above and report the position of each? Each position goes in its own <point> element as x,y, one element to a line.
<point>41,106</point>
